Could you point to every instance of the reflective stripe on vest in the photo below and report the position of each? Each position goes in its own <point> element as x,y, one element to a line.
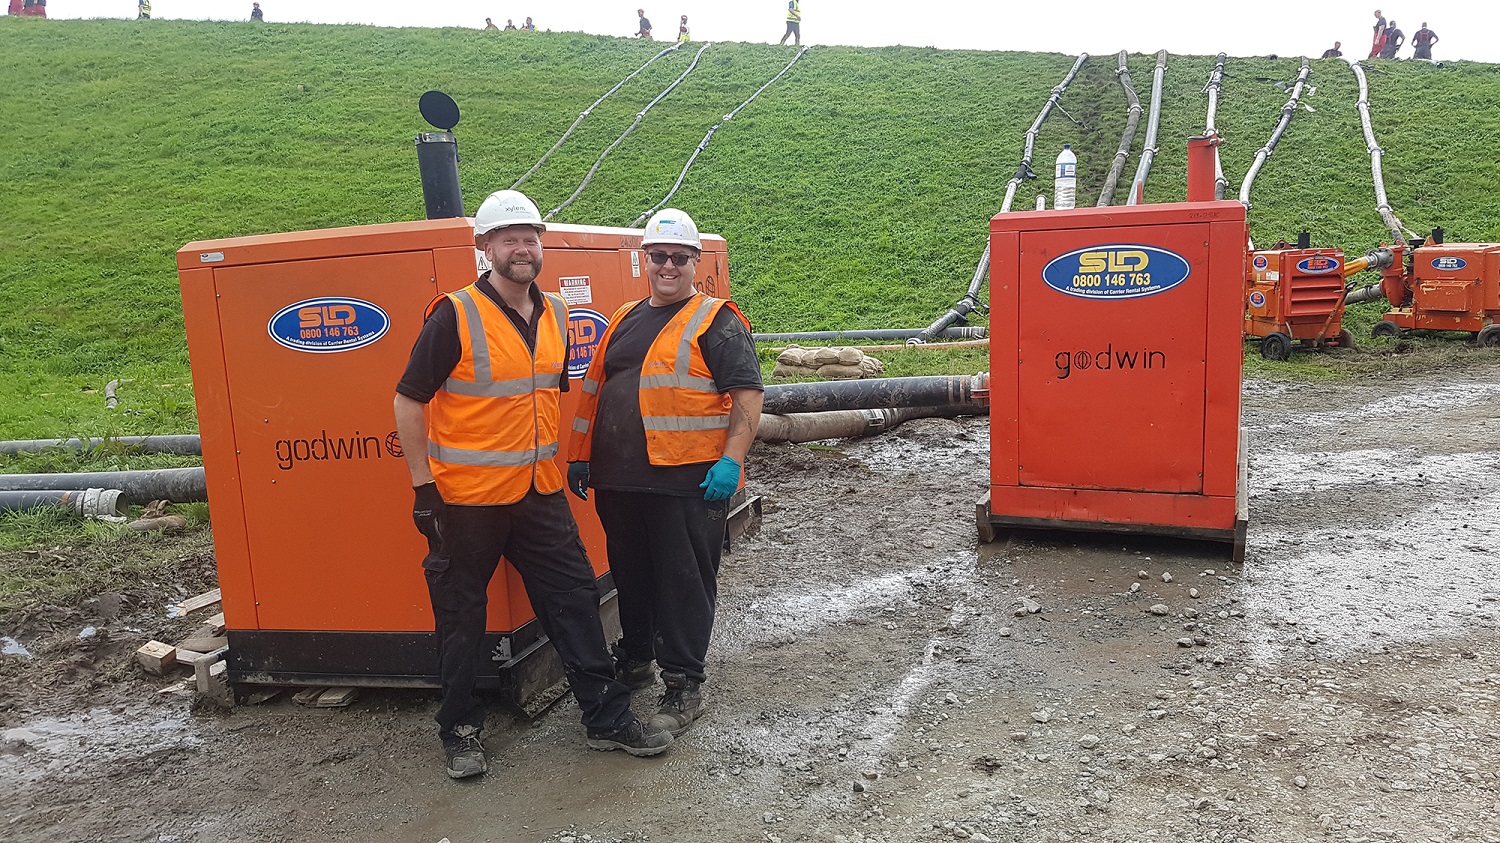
<point>683,361</point>
<point>492,428</point>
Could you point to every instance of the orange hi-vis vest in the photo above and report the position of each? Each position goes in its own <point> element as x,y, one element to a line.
<point>685,416</point>
<point>492,428</point>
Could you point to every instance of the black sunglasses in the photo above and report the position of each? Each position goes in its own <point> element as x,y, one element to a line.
<point>660,258</point>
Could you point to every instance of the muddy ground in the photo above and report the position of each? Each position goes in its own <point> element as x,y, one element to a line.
<point>871,680</point>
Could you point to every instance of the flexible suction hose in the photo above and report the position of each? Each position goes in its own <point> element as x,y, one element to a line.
<point>848,424</point>
<point>878,393</point>
<point>1286,118</point>
<point>1215,83</point>
<point>1132,119</point>
<point>1398,231</point>
<point>968,333</point>
<point>178,485</point>
<point>1148,152</point>
<point>174,444</point>
<point>88,503</point>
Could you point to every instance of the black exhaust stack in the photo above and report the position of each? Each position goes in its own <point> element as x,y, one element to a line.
<point>437,157</point>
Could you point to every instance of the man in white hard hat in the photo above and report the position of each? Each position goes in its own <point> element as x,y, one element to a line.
<point>670,406</point>
<point>489,367</point>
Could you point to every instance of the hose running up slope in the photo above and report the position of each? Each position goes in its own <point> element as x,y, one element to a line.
<point>548,154</point>
<point>1133,119</point>
<point>1148,152</point>
<point>1286,118</point>
<point>640,115</point>
<point>1382,204</point>
<point>703,144</point>
<point>1211,129</point>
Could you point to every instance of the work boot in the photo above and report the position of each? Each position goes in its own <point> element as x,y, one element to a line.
<point>680,705</point>
<point>464,752</point>
<point>632,673</point>
<point>634,737</point>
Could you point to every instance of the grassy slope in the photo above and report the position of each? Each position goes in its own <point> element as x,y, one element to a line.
<point>854,194</point>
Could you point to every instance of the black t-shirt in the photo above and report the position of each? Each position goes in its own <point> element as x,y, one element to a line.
<point>619,459</point>
<point>1331,53</point>
<point>437,349</point>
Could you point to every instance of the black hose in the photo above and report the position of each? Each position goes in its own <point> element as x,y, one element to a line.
<point>183,444</point>
<point>92,503</point>
<point>871,394</point>
<point>178,485</point>
<point>875,334</point>
<point>848,424</point>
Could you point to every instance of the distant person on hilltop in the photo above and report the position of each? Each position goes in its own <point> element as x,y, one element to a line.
<point>143,9</point>
<point>256,15</point>
<point>684,34</point>
<point>793,22</point>
<point>528,26</point>
<point>1422,43</point>
<point>644,29</point>
<point>1333,52</point>
<point>34,8</point>
<point>1379,43</point>
<point>1394,38</point>
<point>489,24</point>
<point>510,25</point>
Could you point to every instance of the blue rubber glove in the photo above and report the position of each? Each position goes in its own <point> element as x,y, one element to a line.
<point>722,480</point>
<point>578,479</point>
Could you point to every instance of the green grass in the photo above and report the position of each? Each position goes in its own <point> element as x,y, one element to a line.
<point>855,193</point>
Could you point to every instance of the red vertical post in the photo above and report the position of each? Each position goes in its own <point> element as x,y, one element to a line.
<point>1203,154</point>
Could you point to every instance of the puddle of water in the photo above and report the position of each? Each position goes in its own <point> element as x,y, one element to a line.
<point>1430,576</point>
<point>1318,470</point>
<point>967,447</point>
<point>49,746</point>
<point>1426,401</point>
<point>11,647</point>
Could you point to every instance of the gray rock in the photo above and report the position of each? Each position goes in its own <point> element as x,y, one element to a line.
<point>1088,741</point>
<point>1159,609</point>
<point>1135,587</point>
<point>1042,716</point>
<point>1166,576</point>
<point>1184,642</point>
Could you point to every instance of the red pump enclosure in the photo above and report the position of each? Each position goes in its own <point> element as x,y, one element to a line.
<point>1115,400</point>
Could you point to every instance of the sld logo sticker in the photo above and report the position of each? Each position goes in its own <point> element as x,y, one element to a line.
<point>1318,265</point>
<point>1449,264</point>
<point>1116,272</point>
<point>327,325</point>
<point>585,329</point>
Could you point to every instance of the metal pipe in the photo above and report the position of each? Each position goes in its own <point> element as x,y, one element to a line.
<point>703,144</point>
<point>1148,151</point>
<point>1286,118</point>
<point>874,334</point>
<point>89,503</point>
<point>1211,129</point>
<point>1370,292</point>
<point>184,444</point>
<point>639,116</point>
<point>877,393</point>
<point>556,146</point>
<point>848,424</point>
<point>1132,119</point>
<point>970,302</point>
<point>437,161</point>
<point>1382,204</point>
<point>178,485</point>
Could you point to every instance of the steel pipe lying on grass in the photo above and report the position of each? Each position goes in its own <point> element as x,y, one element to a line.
<point>182,444</point>
<point>177,485</point>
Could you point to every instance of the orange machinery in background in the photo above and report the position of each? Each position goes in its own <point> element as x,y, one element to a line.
<point>1443,287</point>
<point>297,342</point>
<point>1295,296</point>
<point>1115,399</point>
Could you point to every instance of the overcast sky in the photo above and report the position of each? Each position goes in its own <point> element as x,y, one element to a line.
<point>1467,28</point>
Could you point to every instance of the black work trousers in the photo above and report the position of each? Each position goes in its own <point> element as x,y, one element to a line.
<point>539,537</point>
<point>664,551</point>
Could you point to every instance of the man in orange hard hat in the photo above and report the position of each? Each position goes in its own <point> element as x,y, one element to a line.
<point>477,413</point>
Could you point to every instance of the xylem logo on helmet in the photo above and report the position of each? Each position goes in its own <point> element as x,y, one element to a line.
<point>329,324</point>
<point>1318,265</point>
<point>1116,271</point>
<point>1449,264</point>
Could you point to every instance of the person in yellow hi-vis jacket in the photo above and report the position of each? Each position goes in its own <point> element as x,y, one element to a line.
<point>793,22</point>
<point>477,411</point>
<point>670,407</point>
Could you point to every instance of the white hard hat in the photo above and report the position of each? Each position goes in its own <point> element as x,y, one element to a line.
<point>672,226</point>
<point>506,207</point>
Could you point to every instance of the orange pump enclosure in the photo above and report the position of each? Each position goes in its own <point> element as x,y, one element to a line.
<point>1115,370</point>
<point>297,342</point>
<point>1297,292</point>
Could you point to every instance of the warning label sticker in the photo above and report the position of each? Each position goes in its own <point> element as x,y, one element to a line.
<point>576,290</point>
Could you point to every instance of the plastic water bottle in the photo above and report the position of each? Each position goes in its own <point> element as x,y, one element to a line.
<point>1041,201</point>
<point>1065,181</point>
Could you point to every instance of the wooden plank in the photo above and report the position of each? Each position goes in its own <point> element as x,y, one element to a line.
<point>336,697</point>
<point>192,604</point>
<point>217,622</point>
<point>308,696</point>
<point>156,658</point>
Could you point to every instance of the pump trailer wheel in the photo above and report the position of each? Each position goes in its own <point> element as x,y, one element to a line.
<point>1385,328</point>
<point>1276,346</point>
<point>1489,336</point>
